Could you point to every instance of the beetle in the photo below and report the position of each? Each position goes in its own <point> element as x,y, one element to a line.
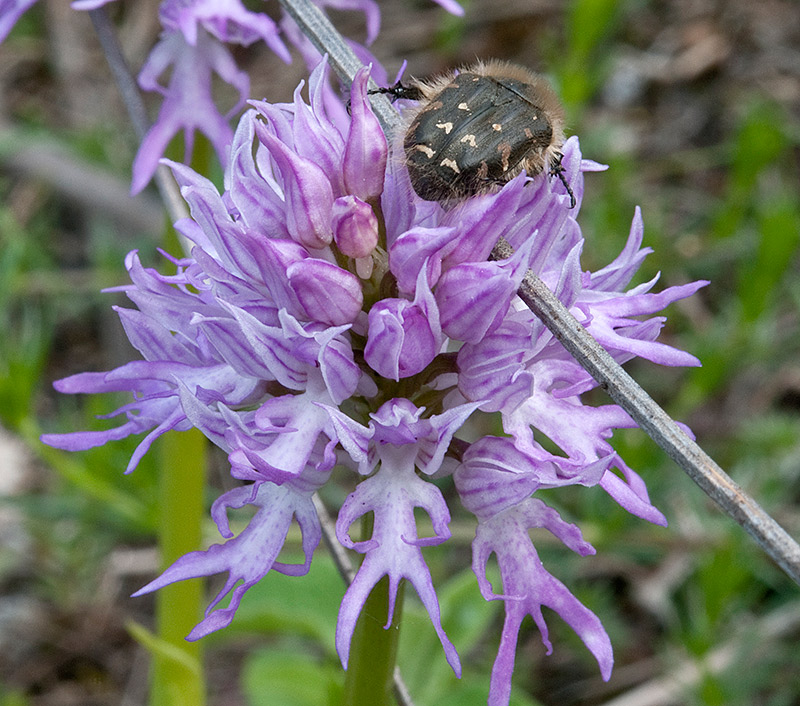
<point>477,128</point>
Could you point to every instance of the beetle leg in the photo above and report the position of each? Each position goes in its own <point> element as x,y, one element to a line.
<point>558,171</point>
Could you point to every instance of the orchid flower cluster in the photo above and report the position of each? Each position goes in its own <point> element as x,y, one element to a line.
<point>327,316</point>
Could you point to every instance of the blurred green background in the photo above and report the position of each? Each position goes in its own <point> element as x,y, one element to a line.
<point>694,104</point>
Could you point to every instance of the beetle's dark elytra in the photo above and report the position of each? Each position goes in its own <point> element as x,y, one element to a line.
<point>474,134</point>
<point>478,128</point>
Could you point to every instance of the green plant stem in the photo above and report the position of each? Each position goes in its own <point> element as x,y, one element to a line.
<point>179,682</point>
<point>373,650</point>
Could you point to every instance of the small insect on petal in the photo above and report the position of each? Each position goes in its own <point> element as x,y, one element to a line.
<point>478,128</point>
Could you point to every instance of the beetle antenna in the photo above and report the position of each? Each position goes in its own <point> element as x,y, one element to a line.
<point>395,92</point>
<point>399,91</point>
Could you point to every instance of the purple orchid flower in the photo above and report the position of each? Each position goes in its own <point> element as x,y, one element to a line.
<point>303,310</point>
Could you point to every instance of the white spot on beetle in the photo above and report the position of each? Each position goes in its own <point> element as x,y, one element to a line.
<point>451,164</point>
<point>463,106</point>
<point>470,140</point>
<point>497,127</point>
<point>447,127</point>
<point>427,151</point>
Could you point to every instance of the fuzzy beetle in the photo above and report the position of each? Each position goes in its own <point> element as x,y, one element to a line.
<point>477,128</point>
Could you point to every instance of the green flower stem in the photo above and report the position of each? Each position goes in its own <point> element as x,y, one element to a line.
<point>373,651</point>
<point>179,681</point>
<point>369,680</point>
<point>178,676</point>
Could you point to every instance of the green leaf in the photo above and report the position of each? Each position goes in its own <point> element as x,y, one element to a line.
<point>273,677</point>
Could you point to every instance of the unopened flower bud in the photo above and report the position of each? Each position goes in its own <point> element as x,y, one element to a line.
<point>355,227</point>
<point>366,150</point>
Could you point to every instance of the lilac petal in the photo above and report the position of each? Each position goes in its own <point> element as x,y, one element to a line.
<point>631,494</point>
<point>472,300</point>
<point>213,423</point>
<point>164,301</point>
<point>268,289</point>
<point>314,136</point>
<point>227,241</point>
<point>10,12</point>
<point>538,216</point>
<point>366,150</point>
<point>398,206</point>
<point>527,586</point>
<point>284,456</point>
<point>609,325</point>
<point>353,437</point>
<point>271,347</point>
<point>400,342</point>
<point>228,21</point>
<point>451,6</point>
<point>584,438</point>
<point>480,221</point>
<point>492,371</point>
<point>249,556</point>
<point>188,103</point>
<point>370,9</point>
<point>168,417</point>
<point>404,336</point>
<point>340,373</point>
<point>225,335</point>
<point>146,378</point>
<point>153,341</point>
<point>654,351</point>
<point>259,206</point>
<point>572,164</point>
<point>155,408</point>
<point>558,597</point>
<point>387,337</point>
<point>473,297</point>
<point>326,292</point>
<point>616,275</point>
<point>495,474</point>
<point>571,283</point>
<point>87,383</point>
<point>355,227</point>
<point>415,249</point>
<point>398,422</point>
<point>589,427</point>
<point>308,193</point>
<point>175,421</point>
<point>88,4</point>
<point>328,103</point>
<point>434,445</point>
<point>393,549</point>
<point>82,440</point>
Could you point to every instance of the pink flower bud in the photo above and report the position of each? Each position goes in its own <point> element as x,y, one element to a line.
<point>355,227</point>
